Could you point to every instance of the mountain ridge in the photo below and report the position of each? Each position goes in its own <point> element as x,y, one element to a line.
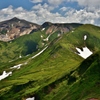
<point>15,27</point>
<point>47,64</point>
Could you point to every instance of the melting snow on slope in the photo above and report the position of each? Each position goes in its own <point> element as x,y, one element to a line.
<point>41,36</point>
<point>72,31</point>
<point>85,53</point>
<point>4,75</point>
<point>16,66</point>
<point>58,35</point>
<point>20,56</point>
<point>85,37</point>
<point>33,98</point>
<point>40,52</point>
<point>43,29</point>
<point>47,38</point>
<point>19,65</point>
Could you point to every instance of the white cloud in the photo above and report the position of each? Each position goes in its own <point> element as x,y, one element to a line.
<point>63,8</point>
<point>41,13</point>
<point>55,2</point>
<point>87,3</point>
<point>44,6</point>
<point>84,16</point>
<point>36,1</point>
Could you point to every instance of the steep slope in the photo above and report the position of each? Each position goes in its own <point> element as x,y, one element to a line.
<point>28,43</point>
<point>39,72</point>
<point>80,84</point>
<point>87,87</point>
<point>20,47</point>
<point>58,72</point>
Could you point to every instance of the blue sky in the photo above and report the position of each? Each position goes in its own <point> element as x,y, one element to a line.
<point>56,11</point>
<point>26,4</point>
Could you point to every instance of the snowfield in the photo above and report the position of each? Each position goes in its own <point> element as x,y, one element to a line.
<point>40,52</point>
<point>33,98</point>
<point>16,66</point>
<point>47,39</point>
<point>85,53</point>
<point>85,37</point>
<point>43,29</point>
<point>4,75</point>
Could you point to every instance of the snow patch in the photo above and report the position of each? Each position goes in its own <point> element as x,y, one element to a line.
<point>20,56</point>
<point>41,36</point>
<point>4,75</point>
<point>58,35</point>
<point>16,66</point>
<point>43,29</point>
<point>33,98</point>
<point>85,53</point>
<point>47,39</point>
<point>72,31</point>
<point>85,37</point>
<point>39,52</point>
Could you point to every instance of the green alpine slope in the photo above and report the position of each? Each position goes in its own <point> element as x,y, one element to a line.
<point>56,71</point>
<point>19,47</point>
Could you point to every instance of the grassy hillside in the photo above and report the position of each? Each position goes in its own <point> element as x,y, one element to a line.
<point>21,46</point>
<point>80,84</point>
<point>40,72</point>
<point>58,73</point>
<point>87,87</point>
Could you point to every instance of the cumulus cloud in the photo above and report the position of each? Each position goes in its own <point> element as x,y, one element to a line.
<point>84,16</point>
<point>41,13</point>
<point>35,1</point>
<point>44,6</point>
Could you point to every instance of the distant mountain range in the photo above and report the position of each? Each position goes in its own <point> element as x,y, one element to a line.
<point>14,28</point>
<point>52,61</point>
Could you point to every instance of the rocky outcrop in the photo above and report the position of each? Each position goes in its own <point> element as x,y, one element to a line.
<point>59,27</point>
<point>15,27</point>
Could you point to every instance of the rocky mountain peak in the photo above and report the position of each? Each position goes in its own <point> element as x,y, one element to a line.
<point>46,24</point>
<point>14,19</point>
<point>15,27</point>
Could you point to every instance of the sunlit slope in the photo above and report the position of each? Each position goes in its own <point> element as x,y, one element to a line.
<point>20,47</point>
<point>55,74</point>
<point>53,64</point>
<point>80,84</point>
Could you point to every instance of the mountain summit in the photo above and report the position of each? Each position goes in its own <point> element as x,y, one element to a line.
<point>15,27</point>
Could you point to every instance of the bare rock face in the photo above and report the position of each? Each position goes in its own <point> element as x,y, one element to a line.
<point>15,27</point>
<point>59,27</point>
